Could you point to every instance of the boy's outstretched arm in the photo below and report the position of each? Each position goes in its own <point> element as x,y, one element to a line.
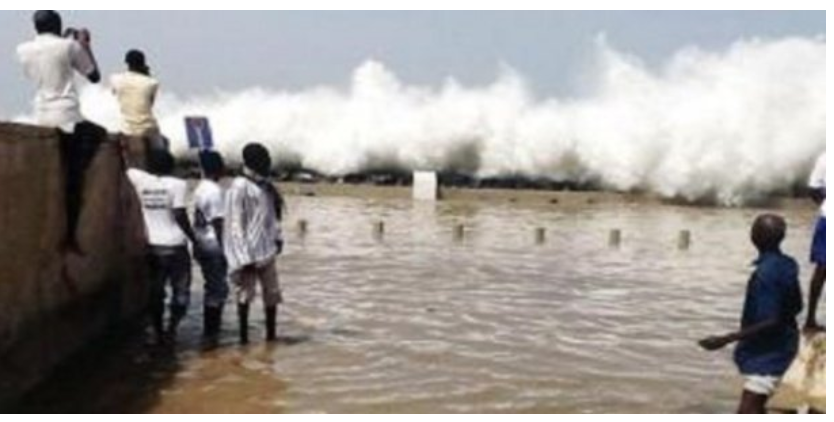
<point>719,342</point>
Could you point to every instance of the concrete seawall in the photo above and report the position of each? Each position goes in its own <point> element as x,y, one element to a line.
<point>52,304</point>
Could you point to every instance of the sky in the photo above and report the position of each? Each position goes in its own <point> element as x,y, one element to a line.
<point>198,53</point>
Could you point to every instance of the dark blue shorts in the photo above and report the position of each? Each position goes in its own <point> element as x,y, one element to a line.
<point>818,246</point>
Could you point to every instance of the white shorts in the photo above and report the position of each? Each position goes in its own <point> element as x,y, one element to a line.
<point>764,385</point>
<point>246,284</point>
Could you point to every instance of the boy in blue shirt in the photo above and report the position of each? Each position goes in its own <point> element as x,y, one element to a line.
<point>769,336</point>
<point>817,186</point>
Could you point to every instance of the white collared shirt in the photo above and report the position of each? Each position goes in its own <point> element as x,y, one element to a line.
<point>50,62</point>
<point>251,227</point>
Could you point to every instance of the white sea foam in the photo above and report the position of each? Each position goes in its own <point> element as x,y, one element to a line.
<point>728,126</point>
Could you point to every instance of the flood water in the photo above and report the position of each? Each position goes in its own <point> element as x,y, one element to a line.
<point>421,322</point>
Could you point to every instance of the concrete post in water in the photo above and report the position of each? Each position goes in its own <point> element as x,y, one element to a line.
<point>379,230</point>
<point>684,240</point>
<point>302,228</point>
<point>615,238</point>
<point>460,233</point>
<point>541,236</point>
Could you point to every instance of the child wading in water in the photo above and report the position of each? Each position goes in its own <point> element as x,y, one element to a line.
<point>253,240</point>
<point>769,338</point>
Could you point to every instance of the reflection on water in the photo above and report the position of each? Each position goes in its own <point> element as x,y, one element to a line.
<point>421,322</point>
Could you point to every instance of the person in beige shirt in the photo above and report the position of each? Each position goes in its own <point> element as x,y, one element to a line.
<point>136,92</point>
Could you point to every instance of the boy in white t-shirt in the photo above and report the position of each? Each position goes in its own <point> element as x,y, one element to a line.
<point>209,214</point>
<point>168,230</point>
<point>817,186</point>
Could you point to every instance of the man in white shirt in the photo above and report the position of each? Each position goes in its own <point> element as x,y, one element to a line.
<point>168,231</point>
<point>51,61</point>
<point>209,214</point>
<point>136,92</point>
<point>252,238</point>
<point>817,187</point>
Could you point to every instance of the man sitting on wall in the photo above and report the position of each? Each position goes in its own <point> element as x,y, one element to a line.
<point>51,62</point>
<point>135,90</point>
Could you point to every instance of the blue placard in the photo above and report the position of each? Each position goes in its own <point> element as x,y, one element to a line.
<point>199,133</point>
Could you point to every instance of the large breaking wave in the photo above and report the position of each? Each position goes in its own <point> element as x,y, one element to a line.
<point>726,126</point>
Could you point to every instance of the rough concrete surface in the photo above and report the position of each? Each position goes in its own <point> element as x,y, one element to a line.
<point>52,303</point>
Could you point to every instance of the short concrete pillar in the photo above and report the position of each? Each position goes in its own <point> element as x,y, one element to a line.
<point>684,240</point>
<point>379,230</point>
<point>615,238</point>
<point>302,228</point>
<point>460,233</point>
<point>541,236</point>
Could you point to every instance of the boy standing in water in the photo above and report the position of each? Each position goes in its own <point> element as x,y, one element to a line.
<point>817,186</point>
<point>168,231</point>
<point>209,214</point>
<point>769,338</point>
<point>252,238</point>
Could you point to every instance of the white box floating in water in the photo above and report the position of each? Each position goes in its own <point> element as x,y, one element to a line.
<point>425,186</point>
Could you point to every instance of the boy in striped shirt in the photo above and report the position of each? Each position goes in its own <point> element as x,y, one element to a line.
<point>252,238</point>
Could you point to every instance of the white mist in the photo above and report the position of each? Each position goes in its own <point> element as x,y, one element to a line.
<point>729,126</point>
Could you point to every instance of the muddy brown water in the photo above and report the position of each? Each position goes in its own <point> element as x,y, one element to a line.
<point>499,321</point>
